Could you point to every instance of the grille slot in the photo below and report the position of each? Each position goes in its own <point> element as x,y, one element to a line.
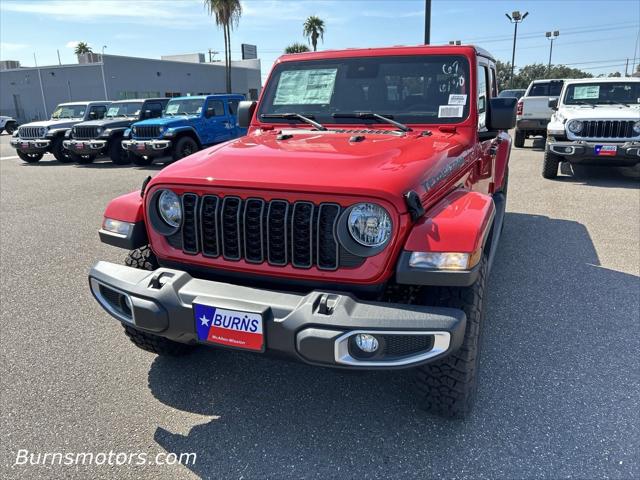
<point>147,131</point>
<point>280,233</point>
<point>399,345</point>
<point>85,133</point>
<point>30,132</point>
<point>607,129</point>
<point>189,223</point>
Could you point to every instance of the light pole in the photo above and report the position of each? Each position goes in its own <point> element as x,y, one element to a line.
<point>427,22</point>
<point>104,80</point>
<point>515,18</point>
<point>551,36</point>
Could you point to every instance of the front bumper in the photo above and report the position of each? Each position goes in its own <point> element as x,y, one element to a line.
<point>583,152</point>
<point>313,328</point>
<point>146,147</point>
<point>81,147</point>
<point>38,145</point>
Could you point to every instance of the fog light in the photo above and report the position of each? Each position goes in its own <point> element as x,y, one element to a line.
<point>568,149</point>
<point>366,343</point>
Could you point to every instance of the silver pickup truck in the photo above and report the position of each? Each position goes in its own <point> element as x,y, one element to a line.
<point>533,112</point>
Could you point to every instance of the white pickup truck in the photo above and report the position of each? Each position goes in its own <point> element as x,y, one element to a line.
<point>595,122</point>
<point>533,112</point>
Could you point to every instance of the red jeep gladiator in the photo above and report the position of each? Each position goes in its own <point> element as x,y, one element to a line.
<point>353,227</point>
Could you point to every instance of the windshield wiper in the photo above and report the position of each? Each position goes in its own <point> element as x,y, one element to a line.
<point>295,116</point>
<point>373,116</point>
<point>579,102</point>
<point>613,102</point>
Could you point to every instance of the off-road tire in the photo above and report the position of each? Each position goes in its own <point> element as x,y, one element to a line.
<point>448,387</point>
<point>117,154</point>
<point>184,147</point>
<point>30,157</point>
<point>141,161</point>
<point>144,259</point>
<point>519,140</point>
<point>550,164</point>
<point>10,127</point>
<point>62,154</point>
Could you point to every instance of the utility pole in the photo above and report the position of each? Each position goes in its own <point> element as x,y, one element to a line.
<point>44,101</point>
<point>104,79</point>
<point>626,67</point>
<point>59,61</point>
<point>551,36</point>
<point>515,18</point>
<point>427,22</point>
<point>212,53</point>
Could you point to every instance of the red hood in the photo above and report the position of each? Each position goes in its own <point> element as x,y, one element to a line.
<point>382,165</point>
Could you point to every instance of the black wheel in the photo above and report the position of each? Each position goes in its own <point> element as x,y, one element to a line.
<point>62,154</point>
<point>140,160</point>
<point>184,147</point>
<point>448,386</point>
<point>519,140</point>
<point>550,164</point>
<point>10,127</point>
<point>30,157</point>
<point>117,154</point>
<point>144,259</point>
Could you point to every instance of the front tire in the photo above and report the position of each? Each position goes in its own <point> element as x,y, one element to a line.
<point>62,154</point>
<point>144,259</point>
<point>448,387</point>
<point>184,147</point>
<point>117,154</point>
<point>550,164</point>
<point>30,157</point>
<point>519,140</point>
<point>10,127</point>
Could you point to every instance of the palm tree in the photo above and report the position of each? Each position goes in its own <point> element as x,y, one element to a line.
<point>227,14</point>
<point>296,48</point>
<point>313,28</point>
<point>82,47</point>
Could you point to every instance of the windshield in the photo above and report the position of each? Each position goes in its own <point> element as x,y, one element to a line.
<point>626,93</point>
<point>69,111</point>
<point>128,109</point>
<point>511,93</point>
<point>411,89</point>
<point>186,106</point>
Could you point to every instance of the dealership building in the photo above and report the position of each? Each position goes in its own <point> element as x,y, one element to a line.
<point>32,93</point>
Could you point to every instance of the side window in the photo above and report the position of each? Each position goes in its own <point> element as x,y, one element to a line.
<point>97,112</point>
<point>215,108</point>
<point>154,108</point>
<point>233,107</point>
<point>483,73</point>
<point>494,85</point>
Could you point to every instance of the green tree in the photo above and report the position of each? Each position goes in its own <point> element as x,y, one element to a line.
<point>296,48</point>
<point>313,29</point>
<point>227,14</point>
<point>82,47</point>
<point>503,70</point>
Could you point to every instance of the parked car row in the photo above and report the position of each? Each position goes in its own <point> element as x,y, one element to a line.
<point>130,130</point>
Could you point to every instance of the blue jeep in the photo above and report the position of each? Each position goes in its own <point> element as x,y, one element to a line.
<point>187,125</point>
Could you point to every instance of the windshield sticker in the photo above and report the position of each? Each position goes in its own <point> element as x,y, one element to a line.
<point>112,111</point>
<point>173,107</point>
<point>457,99</point>
<point>199,111</point>
<point>305,87</point>
<point>450,111</point>
<point>586,92</point>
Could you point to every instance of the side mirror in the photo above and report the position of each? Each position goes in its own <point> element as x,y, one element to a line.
<point>93,115</point>
<point>502,113</point>
<point>553,103</point>
<point>210,112</point>
<point>246,109</point>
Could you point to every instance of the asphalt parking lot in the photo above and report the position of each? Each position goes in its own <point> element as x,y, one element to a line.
<point>559,385</point>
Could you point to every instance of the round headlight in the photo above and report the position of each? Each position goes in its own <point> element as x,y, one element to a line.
<point>369,224</point>
<point>99,130</point>
<point>43,131</point>
<point>575,126</point>
<point>134,130</point>
<point>170,208</point>
<point>636,127</point>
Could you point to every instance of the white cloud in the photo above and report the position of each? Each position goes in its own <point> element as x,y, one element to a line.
<point>8,47</point>
<point>72,44</point>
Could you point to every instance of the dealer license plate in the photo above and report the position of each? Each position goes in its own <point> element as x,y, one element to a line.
<point>229,327</point>
<point>79,146</point>
<point>140,146</point>
<point>606,150</point>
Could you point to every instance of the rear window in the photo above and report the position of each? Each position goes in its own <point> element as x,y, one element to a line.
<point>546,89</point>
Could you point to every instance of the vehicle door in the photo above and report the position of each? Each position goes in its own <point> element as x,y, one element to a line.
<point>485,90</point>
<point>151,110</point>
<point>97,112</point>
<point>217,123</point>
<point>236,131</point>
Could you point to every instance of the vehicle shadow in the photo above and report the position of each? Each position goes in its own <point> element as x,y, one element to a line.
<point>608,177</point>
<point>560,341</point>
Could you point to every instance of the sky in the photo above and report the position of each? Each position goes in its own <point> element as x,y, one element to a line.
<point>596,36</point>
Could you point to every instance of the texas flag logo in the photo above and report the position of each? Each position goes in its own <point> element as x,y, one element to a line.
<point>606,150</point>
<point>229,327</point>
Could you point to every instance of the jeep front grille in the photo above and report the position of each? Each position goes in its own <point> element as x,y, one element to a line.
<point>607,129</point>
<point>31,132</point>
<point>85,133</point>
<point>147,131</point>
<point>301,234</point>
